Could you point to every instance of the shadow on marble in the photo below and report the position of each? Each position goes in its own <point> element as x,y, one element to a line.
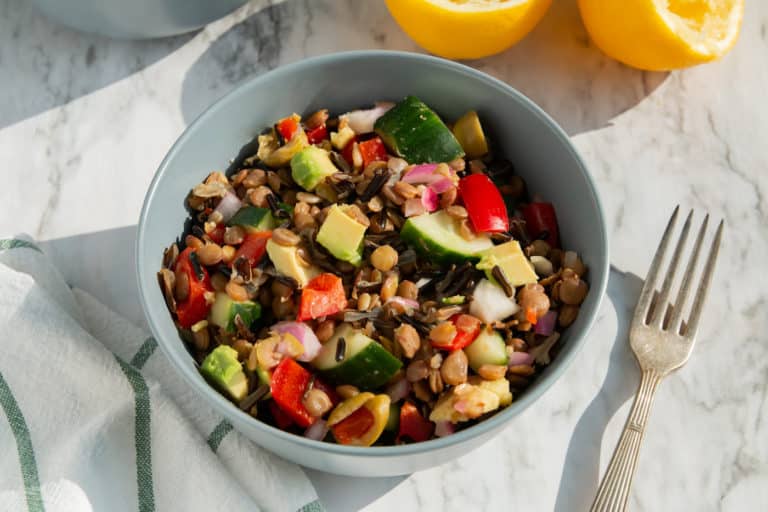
<point>556,65</point>
<point>45,64</point>
<point>102,263</point>
<point>581,468</point>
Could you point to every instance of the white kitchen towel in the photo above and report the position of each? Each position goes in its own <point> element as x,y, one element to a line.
<point>94,418</point>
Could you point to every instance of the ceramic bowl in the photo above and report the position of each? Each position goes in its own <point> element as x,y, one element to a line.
<point>136,19</point>
<point>539,149</point>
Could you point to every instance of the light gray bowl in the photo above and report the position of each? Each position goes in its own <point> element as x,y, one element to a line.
<point>137,19</point>
<point>539,149</point>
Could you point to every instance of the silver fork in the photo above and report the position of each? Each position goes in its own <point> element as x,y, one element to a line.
<point>662,341</point>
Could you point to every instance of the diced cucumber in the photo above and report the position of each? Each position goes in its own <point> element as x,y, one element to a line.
<point>488,348</point>
<point>413,131</point>
<point>365,365</point>
<point>454,300</point>
<point>224,311</point>
<point>253,219</point>
<point>436,235</point>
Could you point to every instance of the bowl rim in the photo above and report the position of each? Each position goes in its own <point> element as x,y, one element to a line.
<point>544,382</point>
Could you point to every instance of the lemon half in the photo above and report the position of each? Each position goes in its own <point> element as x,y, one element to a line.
<point>661,35</point>
<point>467,29</point>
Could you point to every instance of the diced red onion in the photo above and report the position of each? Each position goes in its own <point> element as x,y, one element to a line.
<point>408,303</point>
<point>444,428</point>
<point>317,430</point>
<point>361,121</point>
<point>304,334</point>
<point>546,324</point>
<point>413,207</point>
<point>398,390</point>
<point>520,358</point>
<point>429,200</point>
<point>423,173</point>
<point>442,185</point>
<point>228,206</point>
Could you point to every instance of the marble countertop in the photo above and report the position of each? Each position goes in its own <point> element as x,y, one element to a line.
<point>84,122</point>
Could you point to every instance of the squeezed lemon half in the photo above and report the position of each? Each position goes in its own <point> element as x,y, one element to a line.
<point>661,35</point>
<point>467,29</point>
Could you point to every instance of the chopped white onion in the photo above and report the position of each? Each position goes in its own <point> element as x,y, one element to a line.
<point>490,303</point>
<point>362,121</point>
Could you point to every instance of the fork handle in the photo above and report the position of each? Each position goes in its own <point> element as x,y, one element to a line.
<point>613,493</point>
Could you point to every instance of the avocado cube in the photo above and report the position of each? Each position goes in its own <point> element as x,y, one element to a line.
<point>224,311</point>
<point>253,219</point>
<point>311,166</point>
<point>286,261</point>
<point>222,368</point>
<point>510,258</point>
<point>342,236</point>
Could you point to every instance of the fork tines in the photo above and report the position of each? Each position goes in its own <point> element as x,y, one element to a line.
<point>653,308</point>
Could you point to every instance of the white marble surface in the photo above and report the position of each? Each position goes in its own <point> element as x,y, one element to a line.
<point>84,121</point>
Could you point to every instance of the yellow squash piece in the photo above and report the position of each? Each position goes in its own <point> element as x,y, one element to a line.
<point>378,405</point>
<point>469,133</point>
<point>347,407</point>
<point>661,35</point>
<point>467,29</point>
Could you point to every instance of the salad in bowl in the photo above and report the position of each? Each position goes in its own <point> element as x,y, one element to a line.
<point>377,277</point>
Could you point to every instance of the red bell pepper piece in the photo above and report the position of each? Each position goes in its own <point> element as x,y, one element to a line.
<point>467,329</point>
<point>322,296</point>
<point>253,247</point>
<point>353,426</point>
<point>317,134</point>
<point>346,153</point>
<point>485,206</point>
<point>282,420</point>
<point>194,308</point>
<point>217,235</point>
<point>287,127</point>
<point>372,150</point>
<point>540,219</point>
<point>288,385</point>
<point>413,425</point>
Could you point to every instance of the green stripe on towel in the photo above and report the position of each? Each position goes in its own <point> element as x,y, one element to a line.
<point>23,446</point>
<point>218,434</point>
<point>144,353</point>
<point>143,437</point>
<point>16,243</point>
<point>315,506</point>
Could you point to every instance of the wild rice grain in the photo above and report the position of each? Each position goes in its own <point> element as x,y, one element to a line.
<point>501,278</point>
<point>341,350</point>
